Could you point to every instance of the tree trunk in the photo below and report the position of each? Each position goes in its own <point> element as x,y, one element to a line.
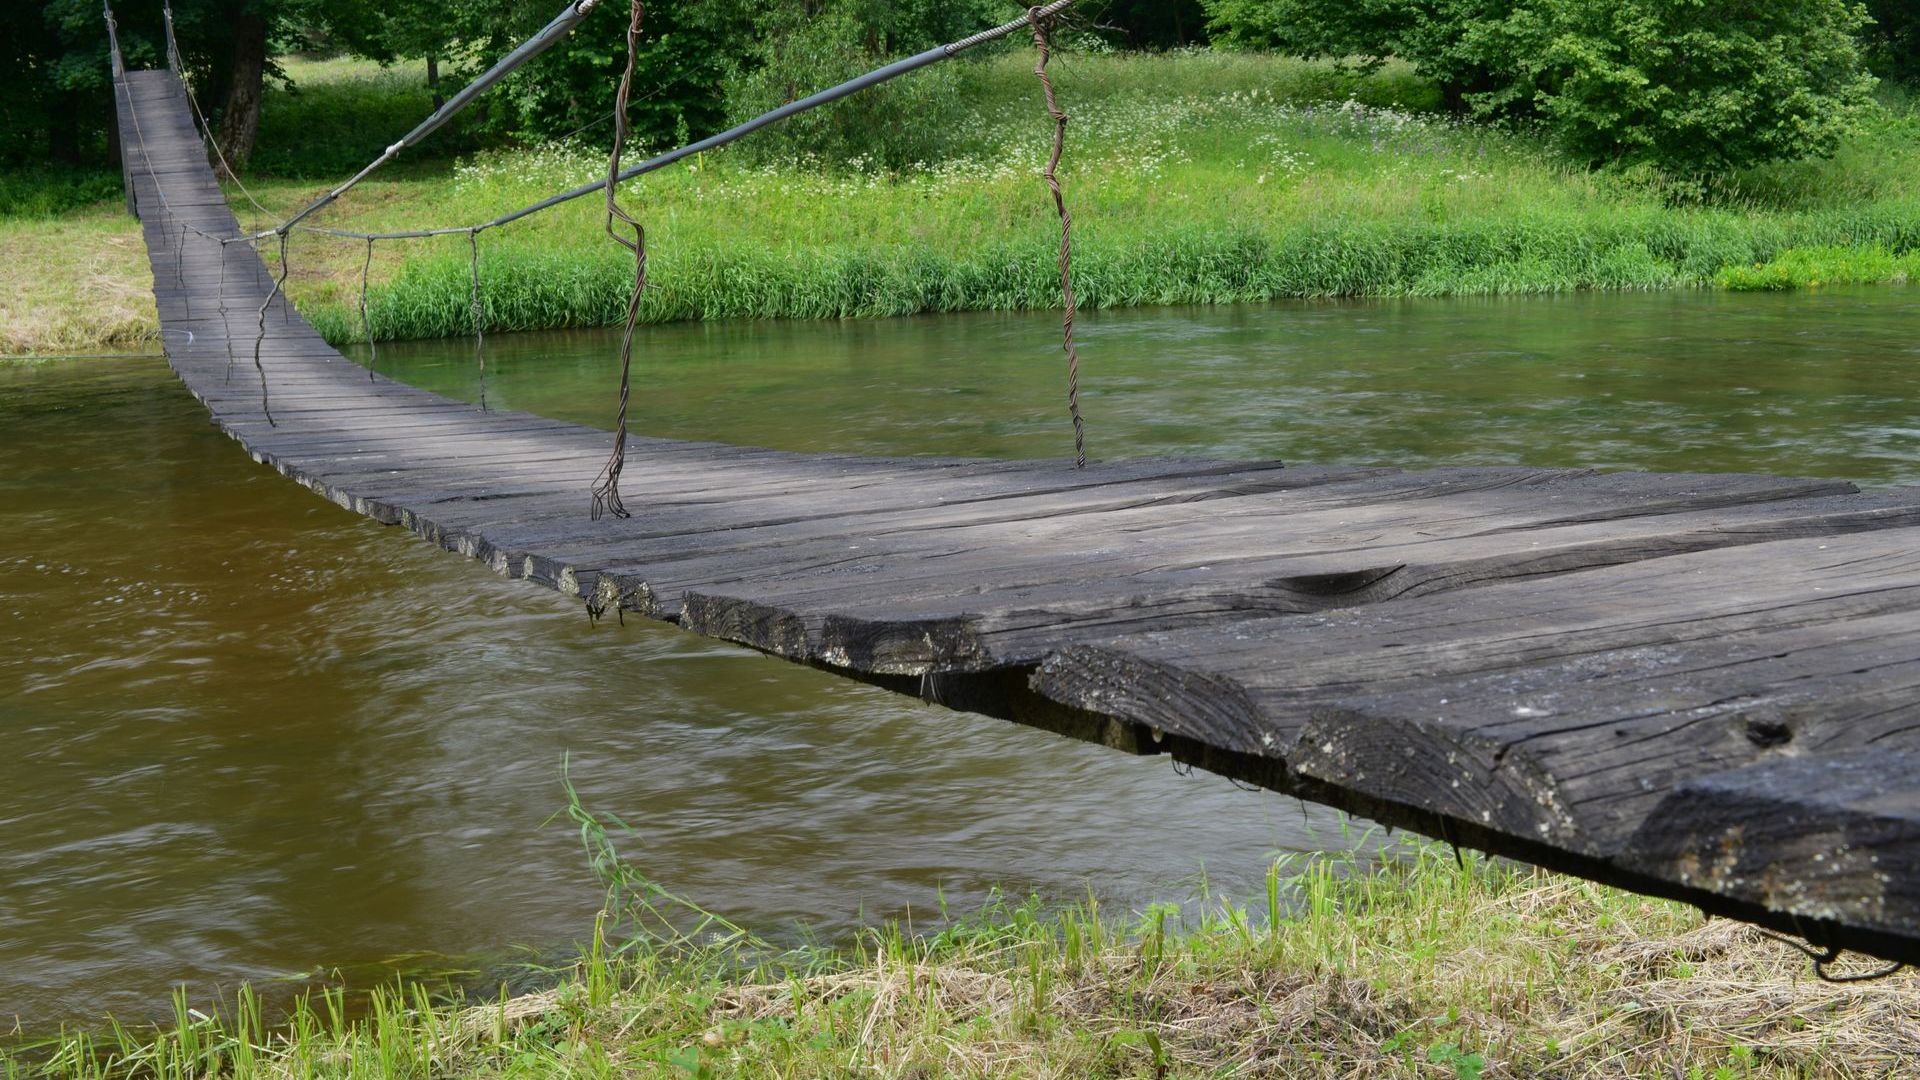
<point>240,116</point>
<point>433,81</point>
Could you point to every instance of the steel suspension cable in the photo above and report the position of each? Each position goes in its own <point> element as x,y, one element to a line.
<point>173,43</point>
<point>540,42</point>
<point>732,134</point>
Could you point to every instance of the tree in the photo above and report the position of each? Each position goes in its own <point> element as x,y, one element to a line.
<point>1153,24</point>
<point>1893,41</point>
<point>1435,35</point>
<point>801,46</point>
<point>1691,86</point>
<point>61,94</point>
<point>1687,86</point>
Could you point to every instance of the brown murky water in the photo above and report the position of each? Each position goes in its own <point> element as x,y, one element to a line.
<point>249,736</point>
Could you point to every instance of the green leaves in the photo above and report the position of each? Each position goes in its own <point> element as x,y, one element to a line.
<point>1694,87</point>
<point>1689,87</point>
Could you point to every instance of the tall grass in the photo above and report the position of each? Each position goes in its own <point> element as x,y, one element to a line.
<point>1194,178</point>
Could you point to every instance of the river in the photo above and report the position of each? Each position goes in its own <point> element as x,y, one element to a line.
<point>250,736</point>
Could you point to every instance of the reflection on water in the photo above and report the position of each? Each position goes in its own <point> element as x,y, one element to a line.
<point>250,736</point>
<point>1809,384</point>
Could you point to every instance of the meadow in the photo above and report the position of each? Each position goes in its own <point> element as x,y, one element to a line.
<point>1193,177</point>
<point>1197,178</point>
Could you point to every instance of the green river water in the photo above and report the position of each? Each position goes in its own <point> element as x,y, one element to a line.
<point>249,736</point>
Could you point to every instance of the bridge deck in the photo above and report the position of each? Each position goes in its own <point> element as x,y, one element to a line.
<point>1701,686</point>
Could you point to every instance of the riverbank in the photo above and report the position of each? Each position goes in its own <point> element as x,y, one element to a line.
<point>1193,177</point>
<point>1419,966</point>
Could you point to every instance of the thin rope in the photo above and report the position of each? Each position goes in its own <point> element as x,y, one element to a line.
<point>479,314</point>
<point>366,323</point>
<point>1042,24</point>
<point>278,283</point>
<point>606,489</point>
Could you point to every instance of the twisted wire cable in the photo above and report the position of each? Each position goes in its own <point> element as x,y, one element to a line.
<point>606,489</point>
<point>1042,24</point>
<point>279,283</point>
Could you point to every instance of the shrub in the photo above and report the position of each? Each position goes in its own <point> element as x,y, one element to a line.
<point>1690,87</point>
<point>1694,87</point>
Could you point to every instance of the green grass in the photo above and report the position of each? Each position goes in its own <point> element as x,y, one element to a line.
<point>1811,267</point>
<point>1413,965</point>
<point>1193,178</point>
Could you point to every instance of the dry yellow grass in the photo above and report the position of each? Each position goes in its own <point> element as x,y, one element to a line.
<point>76,283</point>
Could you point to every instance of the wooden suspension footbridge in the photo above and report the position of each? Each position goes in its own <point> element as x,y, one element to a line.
<point>1704,687</point>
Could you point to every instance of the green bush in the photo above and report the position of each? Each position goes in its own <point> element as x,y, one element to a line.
<point>46,190</point>
<point>1689,87</point>
<point>913,119</point>
<point>1694,87</point>
<point>1810,267</point>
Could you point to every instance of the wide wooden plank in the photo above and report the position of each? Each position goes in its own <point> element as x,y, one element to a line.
<point>936,615</point>
<point>1832,840</point>
<point>1580,750</point>
<point>1250,685</point>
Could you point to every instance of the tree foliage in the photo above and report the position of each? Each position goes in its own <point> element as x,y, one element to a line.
<point>1692,86</point>
<point>1893,41</point>
<point>1686,86</point>
<point>1152,24</point>
<point>1435,35</point>
<point>59,103</point>
<point>802,47</point>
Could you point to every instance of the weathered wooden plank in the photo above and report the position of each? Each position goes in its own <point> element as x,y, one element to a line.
<point>933,615</point>
<point>1579,751</point>
<point>1249,686</point>
<point>1832,840</point>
